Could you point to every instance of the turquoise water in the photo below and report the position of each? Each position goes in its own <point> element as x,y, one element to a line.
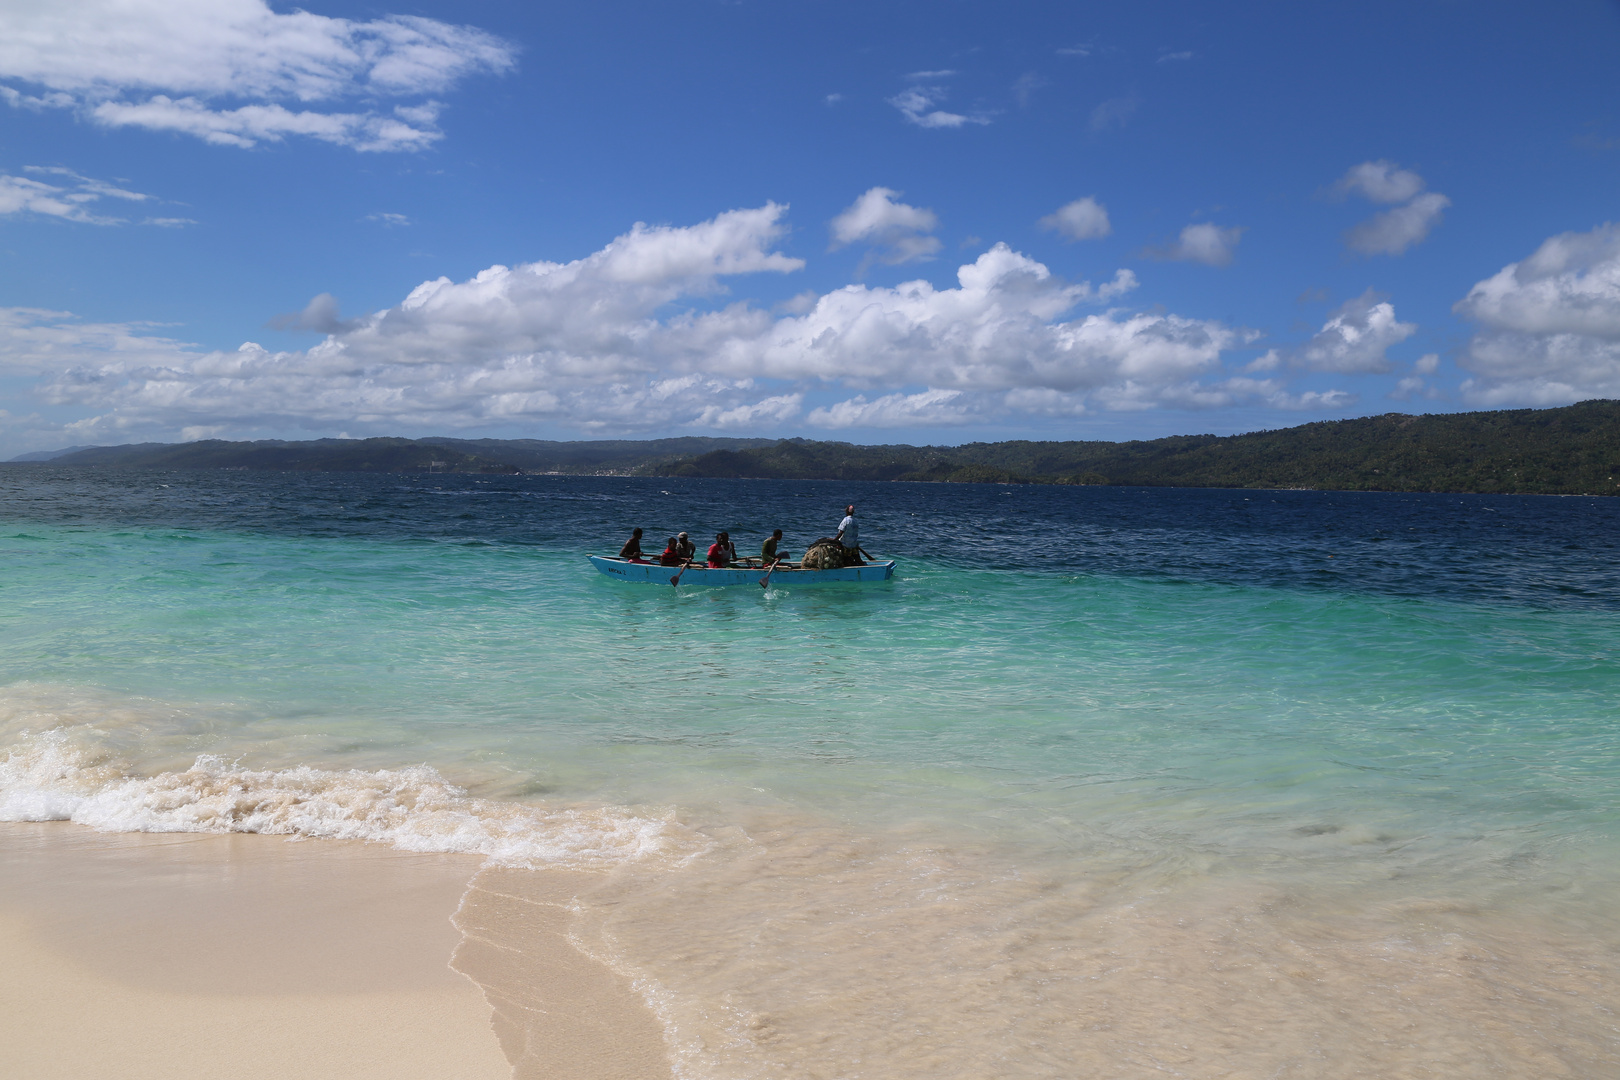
<point>1165,686</point>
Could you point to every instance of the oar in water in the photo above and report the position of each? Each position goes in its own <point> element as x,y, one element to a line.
<point>765,581</point>
<point>676,580</point>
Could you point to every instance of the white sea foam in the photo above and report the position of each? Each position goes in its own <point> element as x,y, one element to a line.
<point>65,774</point>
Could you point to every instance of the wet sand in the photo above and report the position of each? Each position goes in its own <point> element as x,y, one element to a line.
<point>245,956</point>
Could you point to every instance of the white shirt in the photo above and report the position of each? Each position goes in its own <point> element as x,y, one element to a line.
<point>850,531</point>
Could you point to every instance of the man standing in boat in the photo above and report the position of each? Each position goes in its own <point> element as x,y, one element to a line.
<point>849,533</point>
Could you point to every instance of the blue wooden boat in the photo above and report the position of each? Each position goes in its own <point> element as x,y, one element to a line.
<point>654,574</point>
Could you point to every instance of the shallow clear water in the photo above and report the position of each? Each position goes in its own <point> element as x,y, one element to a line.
<point>1079,719</point>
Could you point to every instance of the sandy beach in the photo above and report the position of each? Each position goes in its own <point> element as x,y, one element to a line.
<point>246,956</point>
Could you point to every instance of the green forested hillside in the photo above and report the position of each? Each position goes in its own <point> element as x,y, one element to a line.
<point>1572,450</point>
<point>1569,451</point>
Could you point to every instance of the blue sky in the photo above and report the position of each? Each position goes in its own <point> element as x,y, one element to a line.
<point>866,221</point>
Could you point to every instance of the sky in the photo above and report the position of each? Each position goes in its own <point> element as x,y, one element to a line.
<point>874,222</point>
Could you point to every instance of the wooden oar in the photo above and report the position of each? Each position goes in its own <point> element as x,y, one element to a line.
<point>765,581</point>
<point>676,580</point>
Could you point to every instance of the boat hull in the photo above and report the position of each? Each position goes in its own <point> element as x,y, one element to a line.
<point>653,574</point>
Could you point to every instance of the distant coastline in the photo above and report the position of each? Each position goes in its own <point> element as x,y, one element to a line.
<point>1573,450</point>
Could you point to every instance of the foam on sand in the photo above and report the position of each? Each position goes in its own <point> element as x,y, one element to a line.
<point>68,774</point>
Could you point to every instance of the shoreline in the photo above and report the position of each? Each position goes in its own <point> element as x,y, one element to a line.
<point>249,956</point>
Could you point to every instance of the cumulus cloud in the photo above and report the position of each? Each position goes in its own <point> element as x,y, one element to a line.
<point>766,412</point>
<point>1549,326</point>
<point>1324,400</point>
<point>221,70</point>
<point>917,105</point>
<point>640,336</point>
<point>1354,340</point>
<point>929,408</point>
<point>898,233</point>
<point>319,315</point>
<point>1417,383</point>
<point>1083,219</point>
<point>1392,231</point>
<point>70,197</point>
<point>1379,181</point>
<point>1202,243</point>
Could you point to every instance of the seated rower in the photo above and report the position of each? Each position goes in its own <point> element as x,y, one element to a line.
<point>632,547</point>
<point>672,554</point>
<point>768,552</point>
<point>721,552</point>
<point>688,550</point>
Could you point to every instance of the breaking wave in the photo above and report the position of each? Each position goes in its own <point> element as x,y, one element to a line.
<point>63,774</point>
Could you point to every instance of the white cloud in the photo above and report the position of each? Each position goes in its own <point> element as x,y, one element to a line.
<point>1414,384</point>
<point>929,76</point>
<point>1549,325</point>
<point>1169,58</point>
<point>1114,112</point>
<point>1084,49</point>
<point>917,105</point>
<point>1379,181</point>
<point>319,315</point>
<point>37,341</point>
<point>252,124</point>
<point>171,64</point>
<point>1392,231</point>
<point>929,408</point>
<point>1025,87</point>
<point>69,198</point>
<point>998,329</point>
<point>1355,338</point>
<point>1202,243</point>
<point>764,413</point>
<point>611,342</point>
<point>1323,400</point>
<point>388,220</point>
<point>1083,219</point>
<point>899,233</point>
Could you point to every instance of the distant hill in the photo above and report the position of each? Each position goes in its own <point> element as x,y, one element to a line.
<point>1574,450</point>
<point>399,455</point>
<point>50,455</point>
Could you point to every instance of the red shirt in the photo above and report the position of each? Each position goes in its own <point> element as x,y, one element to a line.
<point>717,554</point>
